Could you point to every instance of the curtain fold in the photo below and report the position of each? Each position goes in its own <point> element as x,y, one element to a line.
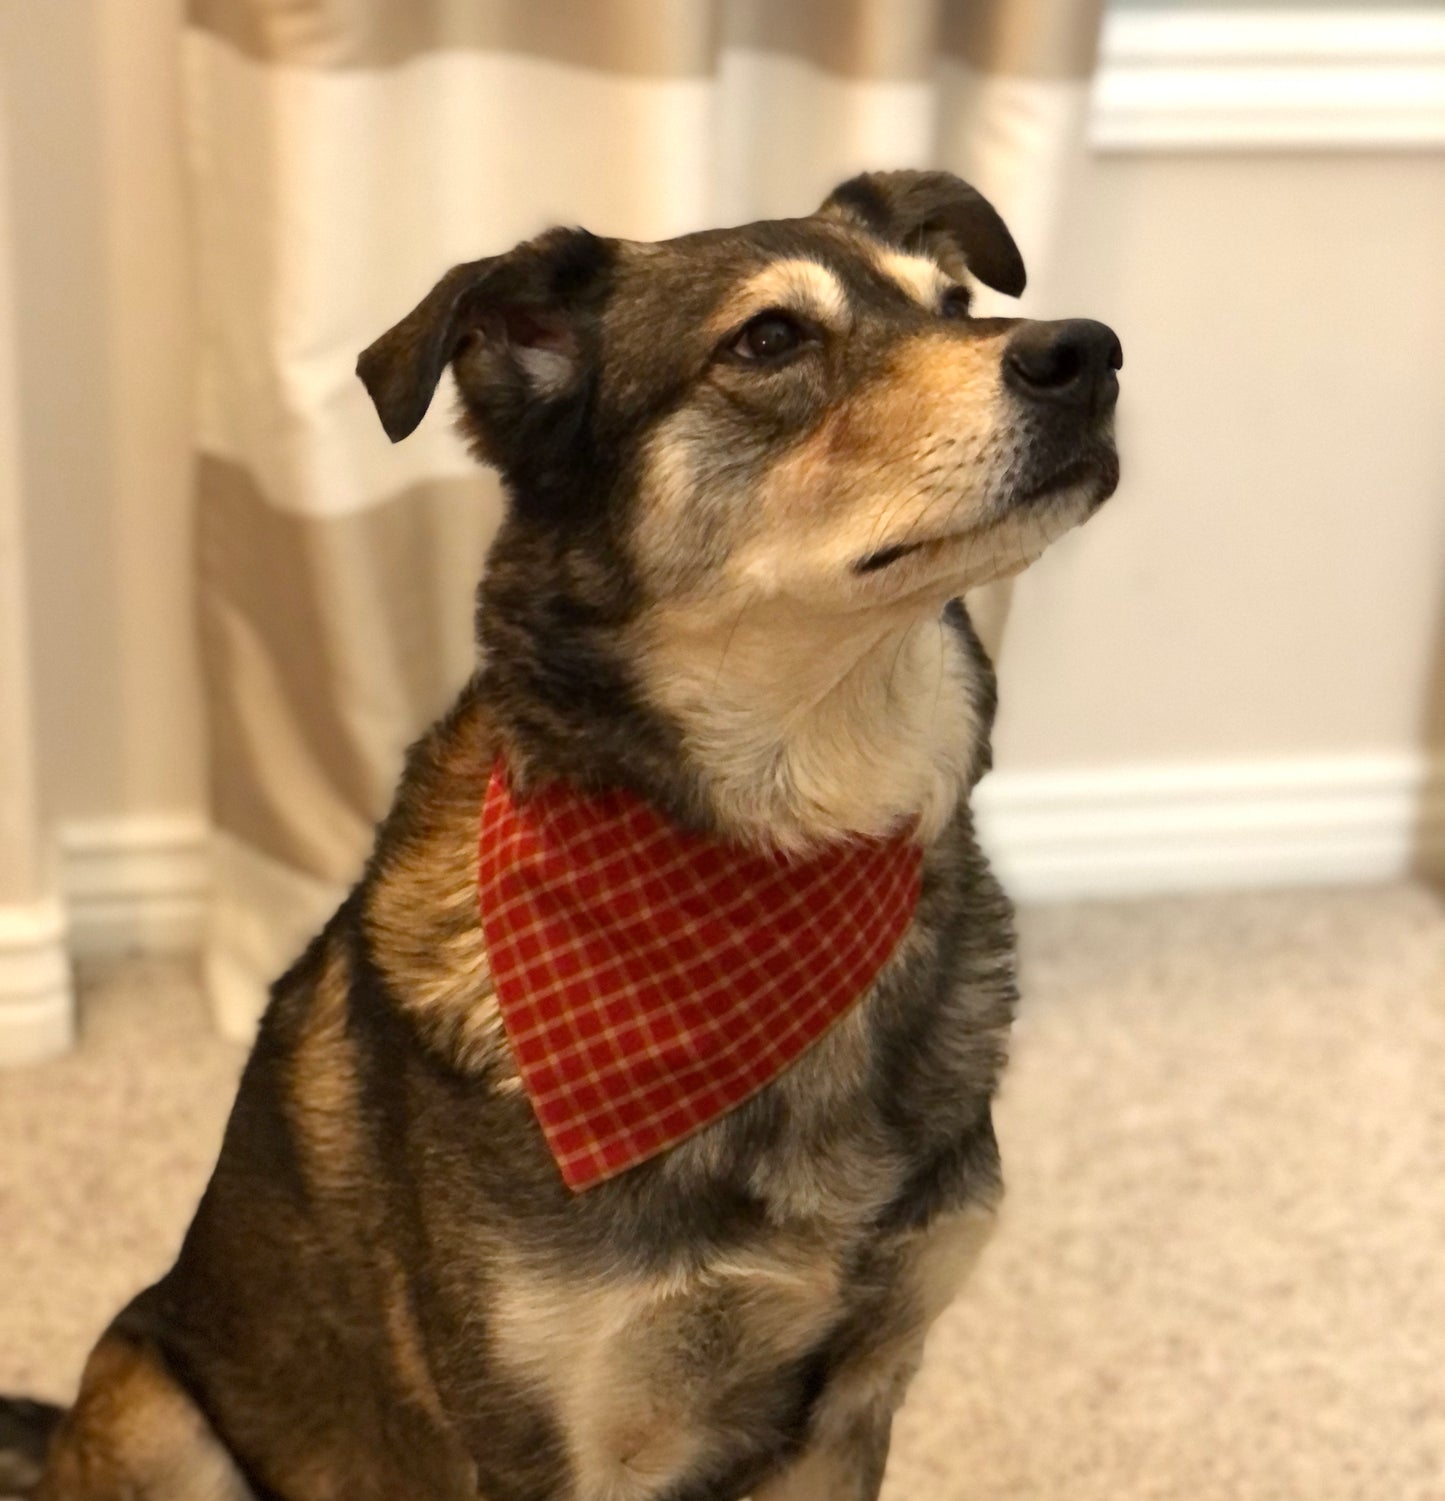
<point>343,153</point>
<point>37,1014</point>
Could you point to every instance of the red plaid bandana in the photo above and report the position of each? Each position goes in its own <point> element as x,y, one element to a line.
<point>650,980</point>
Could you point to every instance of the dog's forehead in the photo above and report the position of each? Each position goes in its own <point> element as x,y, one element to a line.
<point>694,272</point>
<point>762,239</point>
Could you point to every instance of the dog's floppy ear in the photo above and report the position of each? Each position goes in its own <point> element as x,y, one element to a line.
<point>934,212</point>
<point>516,318</point>
<point>401,369</point>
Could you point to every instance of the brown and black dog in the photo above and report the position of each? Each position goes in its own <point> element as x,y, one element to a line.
<point>749,472</point>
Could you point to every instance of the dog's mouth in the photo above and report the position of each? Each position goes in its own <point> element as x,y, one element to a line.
<point>1098,468</point>
<point>886,557</point>
<point>1101,466</point>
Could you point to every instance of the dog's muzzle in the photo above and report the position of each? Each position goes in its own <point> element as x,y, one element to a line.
<point>1071,363</point>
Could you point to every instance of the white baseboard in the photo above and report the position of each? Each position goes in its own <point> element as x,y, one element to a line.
<point>1142,831</point>
<point>37,1013</point>
<point>1365,77</point>
<point>142,884</point>
<point>136,884</point>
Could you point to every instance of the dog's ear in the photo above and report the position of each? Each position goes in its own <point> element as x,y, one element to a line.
<point>933,212</point>
<point>515,324</point>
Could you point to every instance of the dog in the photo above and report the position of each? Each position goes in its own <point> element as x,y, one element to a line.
<point>750,472</point>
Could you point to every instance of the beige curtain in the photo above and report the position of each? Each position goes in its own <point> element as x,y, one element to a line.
<point>36,1010</point>
<point>347,151</point>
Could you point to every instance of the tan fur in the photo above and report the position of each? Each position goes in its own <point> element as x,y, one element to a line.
<point>408,1353</point>
<point>819,701</point>
<point>936,1262</point>
<point>923,454</point>
<point>422,918</point>
<point>810,727</point>
<point>869,1389</point>
<point>323,1101</point>
<point>133,1433</point>
<point>631,1364</point>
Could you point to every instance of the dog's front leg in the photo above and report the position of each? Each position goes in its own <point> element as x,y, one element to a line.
<point>845,1463</point>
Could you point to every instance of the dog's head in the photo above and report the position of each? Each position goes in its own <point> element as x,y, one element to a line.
<point>797,409</point>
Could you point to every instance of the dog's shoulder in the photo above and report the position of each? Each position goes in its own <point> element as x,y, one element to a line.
<point>417,917</point>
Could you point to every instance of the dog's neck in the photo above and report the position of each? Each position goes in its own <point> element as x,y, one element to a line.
<point>805,728</point>
<point>779,727</point>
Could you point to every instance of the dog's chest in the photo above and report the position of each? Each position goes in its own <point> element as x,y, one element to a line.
<point>696,1313</point>
<point>653,1382</point>
<point>654,1379</point>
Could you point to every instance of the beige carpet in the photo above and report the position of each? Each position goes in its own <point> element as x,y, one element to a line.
<point>1220,1275</point>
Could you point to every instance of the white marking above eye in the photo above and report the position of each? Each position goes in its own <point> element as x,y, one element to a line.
<point>800,286</point>
<point>924,280</point>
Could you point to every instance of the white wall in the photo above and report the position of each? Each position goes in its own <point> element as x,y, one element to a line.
<point>1269,581</point>
<point>1268,588</point>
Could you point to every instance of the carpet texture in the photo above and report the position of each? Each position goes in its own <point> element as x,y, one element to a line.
<point>1219,1275</point>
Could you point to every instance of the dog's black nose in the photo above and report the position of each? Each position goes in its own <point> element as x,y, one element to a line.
<point>1071,362</point>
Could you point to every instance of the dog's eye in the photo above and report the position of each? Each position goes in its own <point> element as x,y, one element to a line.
<point>955,303</point>
<point>769,338</point>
